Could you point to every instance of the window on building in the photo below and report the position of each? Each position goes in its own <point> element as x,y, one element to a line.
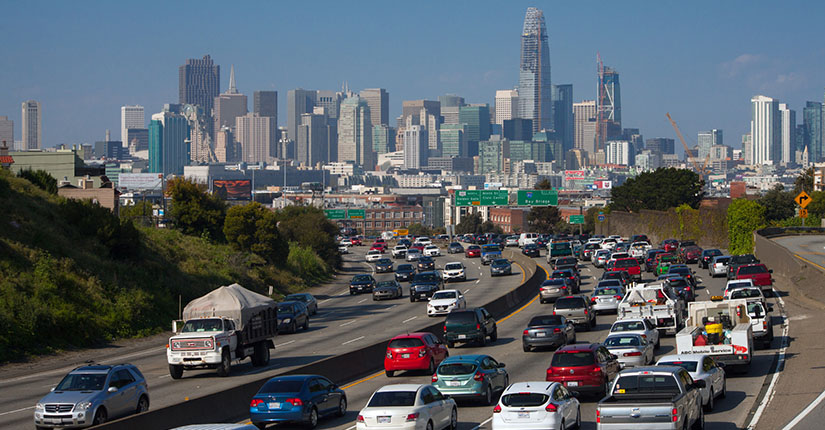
<point>369,224</point>
<point>369,214</point>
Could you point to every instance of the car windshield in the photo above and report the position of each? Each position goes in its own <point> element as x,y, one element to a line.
<point>388,284</point>
<point>406,342</point>
<point>362,278</point>
<point>385,261</point>
<point>746,293</point>
<point>690,366</point>
<point>404,268</point>
<point>634,384</point>
<point>82,382</point>
<point>628,326</point>
<point>524,400</point>
<point>572,359</point>
<point>569,303</point>
<point>424,260</point>
<point>196,326</point>
<point>413,251</point>
<point>384,399</point>
<point>284,309</point>
<point>751,270</point>
<point>453,266</point>
<point>445,295</point>
<point>299,297</point>
<point>455,245</point>
<point>555,281</point>
<point>622,341</point>
<point>282,386</point>
<point>606,292</point>
<point>545,320</point>
<point>456,369</point>
<point>500,262</point>
<point>425,277</point>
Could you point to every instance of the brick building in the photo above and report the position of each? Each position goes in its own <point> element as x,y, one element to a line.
<point>509,219</point>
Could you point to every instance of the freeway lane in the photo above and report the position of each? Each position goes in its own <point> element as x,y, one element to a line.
<point>730,413</point>
<point>811,248</point>
<point>343,323</point>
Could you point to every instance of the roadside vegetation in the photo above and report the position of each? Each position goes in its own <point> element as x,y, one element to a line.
<point>72,274</point>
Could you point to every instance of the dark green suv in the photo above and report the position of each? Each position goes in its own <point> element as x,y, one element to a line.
<point>470,325</point>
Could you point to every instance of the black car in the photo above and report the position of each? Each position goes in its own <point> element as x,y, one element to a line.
<point>455,248</point>
<point>361,284</point>
<point>425,264</point>
<point>469,325</point>
<point>383,265</point>
<point>681,286</point>
<point>621,275</point>
<point>307,299</point>
<point>405,242</point>
<point>639,238</point>
<point>404,272</point>
<point>424,285</point>
<point>501,266</point>
<point>562,263</point>
<point>739,260</point>
<point>707,256</point>
<point>684,272</point>
<point>292,315</point>
<point>531,250</point>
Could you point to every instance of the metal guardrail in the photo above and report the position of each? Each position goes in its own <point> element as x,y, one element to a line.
<point>784,231</point>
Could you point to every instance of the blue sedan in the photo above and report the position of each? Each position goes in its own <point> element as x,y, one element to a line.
<point>297,399</point>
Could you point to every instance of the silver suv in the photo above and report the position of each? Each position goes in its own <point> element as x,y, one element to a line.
<point>91,395</point>
<point>577,310</point>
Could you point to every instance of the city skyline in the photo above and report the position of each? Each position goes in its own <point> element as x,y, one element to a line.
<point>726,64</point>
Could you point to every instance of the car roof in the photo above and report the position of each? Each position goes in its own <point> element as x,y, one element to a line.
<point>450,290</point>
<point>400,387</point>
<point>416,335</point>
<point>531,387</point>
<point>579,347</point>
<point>223,426</point>
<point>464,358</point>
<point>682,357</point>
<point>94,368</point>
<point>301,377</point>
<point>289,302</point>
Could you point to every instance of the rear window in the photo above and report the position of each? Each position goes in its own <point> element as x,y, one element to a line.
<point>555,281</point>
<point>456,369</point>
<point>628,326</point>
<point>500,262</point>
<point>424,277</point>
<point>406,342</point>
<point>570,303</point>
<point>561,245</point>
<point>622,341</point>
<point>392,398</point>
<point>521,400</point>
<point>361,278</point>
<point>404,267</point>
<point>690,366</point>
<point>572,359</point>
<point>545,320</point>
<point>751,270</point>
<point>281,386</point>
<point>461,317</point>
<point>626,263</point>
<point>745,293</point>
<point>723,260</point>
<point>607,292</point>
<point>566,262</point>
<point>633,384</point>
<point>488,248</point>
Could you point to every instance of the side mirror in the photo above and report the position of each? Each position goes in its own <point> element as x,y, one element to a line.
<point>614,356</point>
<point>112,389</point>
<point>699,384</point>
<point>501,365</point>
<point>720,365</point>
<point>770,270</point>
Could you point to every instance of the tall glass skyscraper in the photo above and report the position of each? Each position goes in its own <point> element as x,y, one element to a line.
<point>535,90</point>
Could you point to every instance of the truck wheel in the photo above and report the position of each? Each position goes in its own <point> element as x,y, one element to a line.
<point>261,355</point>
<point>412,299</point>
<point>494,336</point>
<point>175,371</point>
<point>226,364</point>
<point>390,373</point>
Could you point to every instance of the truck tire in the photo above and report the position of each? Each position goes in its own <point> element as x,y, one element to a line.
<point>175,371</point>
<point>226,364</point>
<point>260,357</point>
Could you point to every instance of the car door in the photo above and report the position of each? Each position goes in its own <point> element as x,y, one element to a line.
<point>494,373</point>
<point>318,396</point>
<point>121,400</point>
<point>332,397</point>
<point>488,320</point>
<point>651,332</point>
<point>440,351</point>
<point>716,379</point>
<point>560,398</point>
<point>611,364</point>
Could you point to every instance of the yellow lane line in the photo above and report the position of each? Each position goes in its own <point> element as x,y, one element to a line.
<point>528,303</point>
<point>373,376</point>
<point>809,261</point>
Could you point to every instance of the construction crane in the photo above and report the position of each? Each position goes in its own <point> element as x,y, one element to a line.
<point>703,170</point>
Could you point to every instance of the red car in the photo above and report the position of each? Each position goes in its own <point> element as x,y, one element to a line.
<point>670,245</point>
<point>414,351</point>
<point>692,254</point>
<point>356,241</point>
<point>629,265</point>
<point>586,368</point>
<point>379,246</point>
<point>758,272</point>
<point>473,251</point>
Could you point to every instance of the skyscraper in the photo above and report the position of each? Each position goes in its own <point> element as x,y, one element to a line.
<point>355,133</point>
<point>609,105</point>
<point>383,138</point>
<point>787,130</point>
<point>229,105</point>
<point>254,135</point>
<point>32,115</point>
<point>265,103</point>
<point>765,132</point>
<point>584,112</point>
<point>518,129</point>
<point>453,140</point>
<point>312,142</point>
<point>477,129</point>
<point>298,102</point>
<point>130,117</point>
<point>6,132</point>
<point>378,99</point>
<point>563,114</point>
<point>706,140</point>
<point>199,83</point>
<point>450,100</point>
<point>661,145</point>
<point>168,133</point>
<point>618,152</point>
<point>814,118</point>
<point>506,105</point>
<point>415,147</point>
<point>411,110</point>
<point>535,89</point>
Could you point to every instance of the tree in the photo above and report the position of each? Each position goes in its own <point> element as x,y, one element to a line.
<point>490,227</point>
<point>310,227</point>
<point>254,228</point>
<point>816,209</point>
<point>543,219</point>
<point>778,203</point>
<point>141,210</point>
<point>744,217</point>
<point>590,219</point>
<point>41,178</point>
<point>418,229</point>
<point>470,224</point>
<point>804,182</point>
<point>194,211</point>
<point>544,185</point>
<point>660,190</point>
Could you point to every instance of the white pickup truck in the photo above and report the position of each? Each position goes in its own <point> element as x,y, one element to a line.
<point>721,329</point>
<point>230,323</point>
<point>638,250</point>
<point>655,301</point>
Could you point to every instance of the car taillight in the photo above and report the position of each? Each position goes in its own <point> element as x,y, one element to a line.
<point>632,354</point>
<point>412,417</point>
<point>435,378</point>
<point>617,297</point>
<point>764,325</point>
<point>478,376</point>
<point>295,401</point>
<point>478,326</point>
<point>422,352</point>
<point>389,354</point>
<point>675,413</point>
<point>497,409</point>
<point>554,312</point>
<point>556,330</point>
<point>598,416</point>
<point>360,418</point>
<point>255,402</point>
<point>585,311</point>
<point>551,408</point>
<point>593,300</point>
<point>445,328</point>
<point>526,333</point>
<point>596,369</point>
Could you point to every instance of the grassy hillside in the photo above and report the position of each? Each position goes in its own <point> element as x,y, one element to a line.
<point>73,275</point>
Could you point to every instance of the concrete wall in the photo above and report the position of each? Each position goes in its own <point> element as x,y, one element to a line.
<point>804,280</point>
<point>708,226</point>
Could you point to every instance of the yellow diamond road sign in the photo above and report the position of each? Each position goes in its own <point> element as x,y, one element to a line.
<point>803,199</point>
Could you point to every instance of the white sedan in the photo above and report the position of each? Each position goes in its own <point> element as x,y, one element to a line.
<point>374,255</point>
<point>346,242</point>
<point>639,326</point>
<point>537,405</point>
<point>408,407</point>
<point>444,301</point>
<point>432,251</point>
<point>701,366</point>
<point>343,249</point>
<point>454,271</point>
<point>423,240</point>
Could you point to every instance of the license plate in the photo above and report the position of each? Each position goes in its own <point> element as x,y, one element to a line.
<point>541,334</point>
<point>572,384</point>
<point>384,420</point>
<point>405,355</point>
<point>275,405</point>
<point>524,414</point>
<point>462,336</point>
<point>423,295</point>
<point>454,383</point>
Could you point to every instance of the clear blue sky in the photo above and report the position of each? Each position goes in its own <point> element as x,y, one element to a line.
<point>700,60</point>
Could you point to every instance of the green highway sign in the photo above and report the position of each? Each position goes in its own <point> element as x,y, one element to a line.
<point>482,198</point>
<point>336,213</point>
<point>576,219</point>
<point>538,197</point>
<point>355,213</point>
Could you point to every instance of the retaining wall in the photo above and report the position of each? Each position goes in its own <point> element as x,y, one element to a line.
<point>804,280</point>
<point>708,226</point>
<point>232,405</point>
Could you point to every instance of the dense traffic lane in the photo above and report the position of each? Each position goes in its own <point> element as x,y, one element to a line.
<point>729,413</point>
<point>343,323</point>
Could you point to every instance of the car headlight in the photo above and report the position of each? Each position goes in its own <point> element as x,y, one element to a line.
<point>287,320</point>
<point>83,406</point>
<point>39,407</point>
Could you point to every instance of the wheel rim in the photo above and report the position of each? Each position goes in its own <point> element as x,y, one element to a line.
<point>100,416</point>
<point>342,406</point>
<point>453,419</point>
<point>142,406</point>
<point>313,418</point>
<point>710,400</point>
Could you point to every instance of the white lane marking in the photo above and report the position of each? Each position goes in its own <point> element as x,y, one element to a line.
<point>390,307</point>
<point>353,340</point>
<point>468,289</point>
<point>805,412</point>
<point>350,428</point>
<point>408,320</point>
<point>285,343</point>
<point>16,410</point>
<point>478,280</point>
<point>164,376</point>
<point>362,300</point>
<point>347,323</point>
<point>322,302</point>
<point>484,422</point>
<point>780,365</point>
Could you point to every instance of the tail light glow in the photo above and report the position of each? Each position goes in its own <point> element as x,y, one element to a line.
<point>412,417</point>
<point>478,376</point>
<point>675,415</point>
<point>295,401</point>
<point>497,409</point>
<point>551,408</point>
<point>255,402</point>
<point>632,354</point>
<point>435,378</point>
<point>360,418</point>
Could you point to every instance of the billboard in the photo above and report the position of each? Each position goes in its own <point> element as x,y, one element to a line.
<point>603,185</point>
<point>482,198</point>
<point>232,189</point>
<point>139,181</point>
<point>572,175</point>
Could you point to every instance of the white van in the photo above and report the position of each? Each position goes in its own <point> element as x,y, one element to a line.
<point>526,239</point>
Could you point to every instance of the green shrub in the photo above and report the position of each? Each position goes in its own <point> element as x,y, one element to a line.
<point>305,263</point>
<point>744,217</point>
<point>41,178</point>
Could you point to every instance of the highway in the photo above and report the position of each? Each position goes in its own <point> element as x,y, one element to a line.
<point>344,323</point>
<point>729,413</point>
<point>811,248</point>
